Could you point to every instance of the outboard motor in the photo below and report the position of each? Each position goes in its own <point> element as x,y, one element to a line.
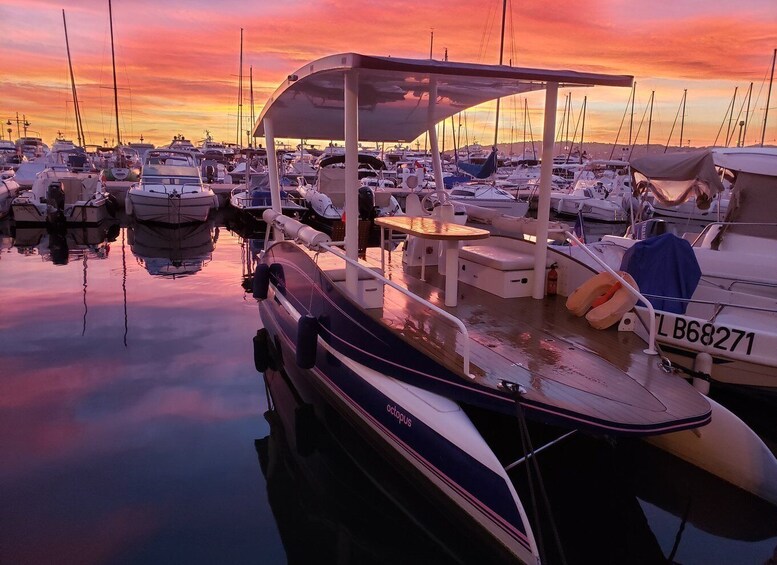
<point>366,203</point>
<point>648,228</point>
<point>55,196</point>
<point>55,200</point>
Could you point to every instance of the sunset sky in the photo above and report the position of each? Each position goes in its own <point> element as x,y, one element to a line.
<point>178,62</point>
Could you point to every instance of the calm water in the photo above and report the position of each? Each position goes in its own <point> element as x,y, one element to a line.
<point>135,429</point>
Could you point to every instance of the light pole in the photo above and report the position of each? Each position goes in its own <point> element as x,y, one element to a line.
<point>740,141</point>
<point>26,124</point>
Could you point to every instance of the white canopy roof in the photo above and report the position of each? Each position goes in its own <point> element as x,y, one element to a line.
<point>394,94</point>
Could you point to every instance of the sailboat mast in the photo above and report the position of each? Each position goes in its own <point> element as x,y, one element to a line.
<point>582,128</point>
<point>631,121</point>
<point>251,101</point>
<point>76,109</point>
<point>768,98</point>
<point>115,89</point>
<point>240,93</point>
<point>747,113</point>
<point>682,120</point>
<point>650,121</point>
<point>501,59</point>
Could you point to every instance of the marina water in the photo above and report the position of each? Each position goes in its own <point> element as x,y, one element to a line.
<point>134,428</point>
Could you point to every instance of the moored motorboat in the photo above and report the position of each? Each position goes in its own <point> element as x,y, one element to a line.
<point>170,190</point>
<point>64,197</point>
<point>727,308</point>
<point>255,199</point>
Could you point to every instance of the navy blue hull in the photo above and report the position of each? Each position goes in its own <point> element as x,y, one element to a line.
<point>349,330</point>
<point>402,436</point>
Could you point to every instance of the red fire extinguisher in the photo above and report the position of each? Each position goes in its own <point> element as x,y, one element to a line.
<point>552,284</point>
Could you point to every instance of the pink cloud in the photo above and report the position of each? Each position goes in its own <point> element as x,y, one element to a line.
<point>177,67</point>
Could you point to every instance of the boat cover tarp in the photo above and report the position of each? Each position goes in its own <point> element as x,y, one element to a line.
<point>260,190</point>
<point>676,177</point>
<point>664,267</point>
<point>483,171</point>
<point>369,161</point>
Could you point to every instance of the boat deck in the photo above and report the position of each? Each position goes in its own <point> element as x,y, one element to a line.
<point>561,361</point>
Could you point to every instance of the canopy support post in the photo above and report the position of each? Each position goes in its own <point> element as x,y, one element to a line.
<point>351,103</point>
<point>272,166</point>
<point>433,142</point>
<point>543,206</point>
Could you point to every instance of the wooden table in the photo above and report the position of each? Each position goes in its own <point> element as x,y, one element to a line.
<point>448,232</point>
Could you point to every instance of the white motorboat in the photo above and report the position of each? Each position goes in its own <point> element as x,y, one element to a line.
<point>436,370</point>
<point>170,190</point>
<point>584,200</point>
<point>258,198</point>
<point>488,195</point>
<point>9,189</point>
<point>326,198</point>
<point>727,310</point>
<point>64,197</point>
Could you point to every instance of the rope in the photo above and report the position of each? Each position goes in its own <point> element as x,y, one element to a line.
<point>533,468</point>
<point>669,367</point>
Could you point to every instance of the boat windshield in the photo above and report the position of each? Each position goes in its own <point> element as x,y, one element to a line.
<point>171,180</point>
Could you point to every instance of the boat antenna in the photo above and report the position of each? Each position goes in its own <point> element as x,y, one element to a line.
<point>768,98</point>
<point>76,109</point>
<point>115,89</point>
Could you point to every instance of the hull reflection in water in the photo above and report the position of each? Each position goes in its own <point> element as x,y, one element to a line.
<point>60,246</point>
<point>173,251</point>
<point>337,497</point>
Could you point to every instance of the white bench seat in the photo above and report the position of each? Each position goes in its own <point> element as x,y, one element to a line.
<point>497,257</point>
<point>498,268</point>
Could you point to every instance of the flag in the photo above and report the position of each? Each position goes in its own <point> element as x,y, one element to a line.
<point>579,229</point>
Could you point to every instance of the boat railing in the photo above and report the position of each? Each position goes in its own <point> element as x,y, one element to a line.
<point>330,247</point>
<point>711,231</point>
<point>651,349</point>
<point>317,241</point>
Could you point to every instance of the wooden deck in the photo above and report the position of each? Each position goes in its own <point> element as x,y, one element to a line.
<point>558,358</point>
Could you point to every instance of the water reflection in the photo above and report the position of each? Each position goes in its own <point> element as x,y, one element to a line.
<point>136,454</point>
<point>173,251</point>
<point>138,447</point>
<point>60,245</point>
